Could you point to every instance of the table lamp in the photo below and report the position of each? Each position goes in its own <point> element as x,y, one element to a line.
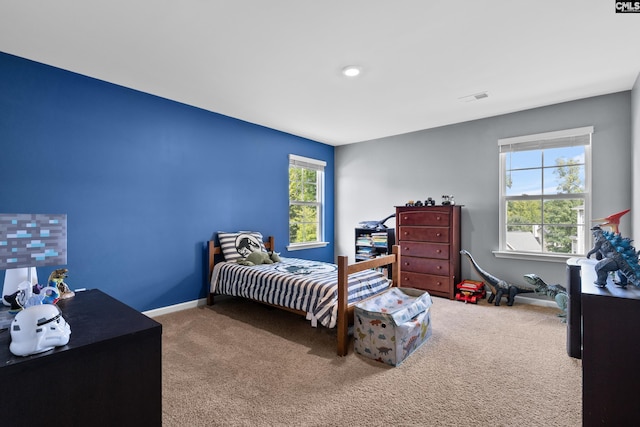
<point>28,241</point>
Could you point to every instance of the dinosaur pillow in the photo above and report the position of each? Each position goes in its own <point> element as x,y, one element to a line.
<point>236,246</point>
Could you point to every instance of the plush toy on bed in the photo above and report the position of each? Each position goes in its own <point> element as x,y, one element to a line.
<point>257,258</point>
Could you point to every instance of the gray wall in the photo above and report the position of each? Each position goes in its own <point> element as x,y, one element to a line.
<point>462,159</point>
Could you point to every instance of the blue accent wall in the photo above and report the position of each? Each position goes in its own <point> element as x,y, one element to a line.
<point>145,181</point>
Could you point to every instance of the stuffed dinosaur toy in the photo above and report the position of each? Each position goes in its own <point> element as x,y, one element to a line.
<point>258,257</point>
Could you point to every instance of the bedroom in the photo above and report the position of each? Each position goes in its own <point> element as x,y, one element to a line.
<point>144,201</point>
<point>146,180</point>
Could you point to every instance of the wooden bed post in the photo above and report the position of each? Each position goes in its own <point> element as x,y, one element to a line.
<point>395,273</point>
<point>212,250</point>
<point>343,296</point>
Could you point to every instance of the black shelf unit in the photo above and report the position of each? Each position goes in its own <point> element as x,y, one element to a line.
<point>372,243</point>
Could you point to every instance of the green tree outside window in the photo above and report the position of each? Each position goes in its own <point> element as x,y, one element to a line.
<point>305,202</point>
<point>545,194</point>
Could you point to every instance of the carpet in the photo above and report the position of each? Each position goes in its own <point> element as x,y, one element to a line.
<point>240,363</point>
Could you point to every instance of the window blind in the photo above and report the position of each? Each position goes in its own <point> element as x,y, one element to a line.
<point>562,138</point>
<point>306,162</point>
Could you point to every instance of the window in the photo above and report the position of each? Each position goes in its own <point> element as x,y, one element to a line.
<point>306,202</point>
<point>544,193</point>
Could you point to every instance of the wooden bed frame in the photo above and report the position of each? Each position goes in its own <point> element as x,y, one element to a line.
<point>345,311</point>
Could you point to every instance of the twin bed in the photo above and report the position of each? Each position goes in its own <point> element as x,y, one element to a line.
<point>324,293</point>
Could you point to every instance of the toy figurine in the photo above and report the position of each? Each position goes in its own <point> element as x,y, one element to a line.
<point>19,298</point>
<point>557,292</point>
<point>26,297</point>
<point>30,336</point>
<point>448,200</point>
<point>44,295</point>
<point>56,279</point>
<point>615,254</point>
<point>499,287</point>
<point>470,291</point>
<point>612,221</point>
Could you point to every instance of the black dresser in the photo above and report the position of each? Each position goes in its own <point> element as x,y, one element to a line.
<point>602,328</point>
<point>109,374</point>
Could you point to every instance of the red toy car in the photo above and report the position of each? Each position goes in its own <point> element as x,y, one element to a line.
<point>470,291</point>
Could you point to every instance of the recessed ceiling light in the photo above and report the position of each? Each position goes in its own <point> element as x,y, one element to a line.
<point>351,71</point>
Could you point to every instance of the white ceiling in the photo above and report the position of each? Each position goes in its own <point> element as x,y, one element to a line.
<point>277,63</point>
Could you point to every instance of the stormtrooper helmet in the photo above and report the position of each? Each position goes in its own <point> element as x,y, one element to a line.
<point>37,329</point>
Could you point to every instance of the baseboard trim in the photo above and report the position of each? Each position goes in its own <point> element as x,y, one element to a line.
<point>533,301</point>
<point>176,307</point>
<point>203,301</point>
<point>536,301</point>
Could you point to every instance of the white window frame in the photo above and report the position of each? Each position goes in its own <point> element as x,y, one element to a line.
<point>562,138</point>
<point>318,166</point>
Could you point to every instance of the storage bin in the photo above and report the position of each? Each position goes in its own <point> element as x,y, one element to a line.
<point>392,325</point>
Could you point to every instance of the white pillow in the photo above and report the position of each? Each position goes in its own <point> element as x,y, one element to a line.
<point>237,246</point>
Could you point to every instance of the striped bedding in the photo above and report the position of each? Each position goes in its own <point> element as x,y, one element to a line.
<point>304,285</point>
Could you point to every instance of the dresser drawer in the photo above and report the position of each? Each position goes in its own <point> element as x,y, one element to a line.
<point>425,265</point>
<point>424,234</point>
<point>435,285</point>
<point>427,250</point>
<point>424,218</point>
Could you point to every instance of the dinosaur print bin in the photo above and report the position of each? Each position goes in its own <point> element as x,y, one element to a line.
<point>391,326</point>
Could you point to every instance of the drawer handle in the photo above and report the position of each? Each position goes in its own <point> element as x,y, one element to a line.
<point>438,283</point>
<point>405,249</point>
<point>438,218</point>
<point>439,267</point>
<point>406,263</point>
<point>406,217</point>
<point>438,251</point>
<point>438,234</point>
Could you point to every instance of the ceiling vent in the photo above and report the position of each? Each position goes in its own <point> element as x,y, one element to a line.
<point>474,97</point>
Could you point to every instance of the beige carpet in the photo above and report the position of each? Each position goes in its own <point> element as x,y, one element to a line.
<point>239,363</point>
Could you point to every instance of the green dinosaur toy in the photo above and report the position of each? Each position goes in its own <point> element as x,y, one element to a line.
<point>258,257</point>
<point>557,292</point>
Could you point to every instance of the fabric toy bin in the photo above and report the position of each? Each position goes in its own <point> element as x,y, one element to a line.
<point>391,326</point>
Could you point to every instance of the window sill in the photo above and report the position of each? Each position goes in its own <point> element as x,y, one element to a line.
<point>529,256</point>
<point>301,246</point>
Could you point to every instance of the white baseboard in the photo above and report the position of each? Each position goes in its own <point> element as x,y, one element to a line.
<point>523,299</point>
<point>177,307</point>
<point>533,300</point>
<point>537,301</point>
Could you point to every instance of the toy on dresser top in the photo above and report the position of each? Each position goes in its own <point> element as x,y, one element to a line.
<point>447,200</point>
<point>56,279</point>
<point>29,295</point>
<point>29,335</point>
<point>614,254</point>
